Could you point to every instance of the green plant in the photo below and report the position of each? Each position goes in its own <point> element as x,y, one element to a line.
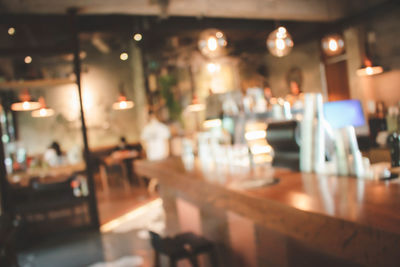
<point>167,83</point>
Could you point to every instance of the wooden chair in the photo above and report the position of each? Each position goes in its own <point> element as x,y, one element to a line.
<point>182,246</point>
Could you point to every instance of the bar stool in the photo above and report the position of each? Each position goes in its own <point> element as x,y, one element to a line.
<point>182,246</point>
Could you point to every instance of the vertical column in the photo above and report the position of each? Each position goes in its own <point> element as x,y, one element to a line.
<point>138,85</point>
<point>354,48</point>
<point>94,217</point>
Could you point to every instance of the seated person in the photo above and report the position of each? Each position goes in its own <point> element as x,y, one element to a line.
<point>53,155</point>
<point>295,97</point>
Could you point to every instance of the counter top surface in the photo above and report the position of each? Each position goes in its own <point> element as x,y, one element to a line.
<point>371,203</point>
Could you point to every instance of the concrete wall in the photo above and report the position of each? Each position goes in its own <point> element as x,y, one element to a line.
<point>385,86</point>
<point>304,56</point>
<point>100,81</point>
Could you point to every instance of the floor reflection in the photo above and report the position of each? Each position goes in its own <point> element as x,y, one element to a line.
<point>126,244</point>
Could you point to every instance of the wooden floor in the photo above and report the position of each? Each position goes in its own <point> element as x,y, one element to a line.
<point>119,201</point>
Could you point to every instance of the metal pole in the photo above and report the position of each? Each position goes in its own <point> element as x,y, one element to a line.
<point>4,186</point>
<point>94,217</point>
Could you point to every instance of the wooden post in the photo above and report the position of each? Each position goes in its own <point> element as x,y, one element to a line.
<point>94,217</point>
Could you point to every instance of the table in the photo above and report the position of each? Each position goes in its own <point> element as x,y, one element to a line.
<point>305,218</point>
<point>124,158</point>
<point>49,174</point>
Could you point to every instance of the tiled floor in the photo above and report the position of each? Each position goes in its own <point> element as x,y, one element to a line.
<point>124,245</point>
<point>87,249</point>
<point>119,201</point>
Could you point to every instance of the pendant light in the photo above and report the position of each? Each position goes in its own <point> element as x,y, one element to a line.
<point>279,42</point>
<point>43,111</point>
<point>122,102</point>
<point>369,67</point>
<point>25,103</point>
<point>212,43</point>
<point>195,105</point>
<point>332,45</point>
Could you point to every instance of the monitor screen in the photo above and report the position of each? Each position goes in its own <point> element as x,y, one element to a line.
<point>344,113</point>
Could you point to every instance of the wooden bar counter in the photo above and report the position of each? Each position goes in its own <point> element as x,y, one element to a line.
<point>302,220</point>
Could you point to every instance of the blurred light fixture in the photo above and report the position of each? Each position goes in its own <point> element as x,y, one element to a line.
<point>122,102</point>
<point>212,43</point>
<point>124,56</point>
<point>212,123</point>
<point>195,105</point>
<point>332,45</point>
<point>369,66</point>
<point>25,103</point>
<point>11,31</point>
<point>279,42</point>
<point>137,37</point>
<point>213,67</point>
<point>43,111</point>
<point>254,135</point>
<point>28,60</point>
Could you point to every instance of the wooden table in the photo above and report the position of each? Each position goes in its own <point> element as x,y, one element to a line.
<point>51,174</point>
<point>124,158</point>
<point>305,218</point>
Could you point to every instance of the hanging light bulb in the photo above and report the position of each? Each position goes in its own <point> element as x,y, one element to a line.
<point>368,68</point>
<point>279,42</point>
<point>333,45</point>
<point>43,111</point>
<point>122,102</point>
<point>195,105</point>
<point>212,43</point>
<point>25,103</point>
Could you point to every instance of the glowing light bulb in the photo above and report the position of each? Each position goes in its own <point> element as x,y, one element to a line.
<point>212,67</point>
<point>279,42</point>
<point>333,45</point>
<point>369,70</point>
<point>124,56</point>
<point>137,37</point>
<point>28,60</point>
<point>11,31</point>
<point>212,43</point>
<point>123,105</point>
<point>26,105</point>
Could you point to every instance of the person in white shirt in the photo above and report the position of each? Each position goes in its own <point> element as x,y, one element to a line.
<point>155,136</point>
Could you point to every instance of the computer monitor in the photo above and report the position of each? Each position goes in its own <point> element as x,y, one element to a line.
<point>344,113</point>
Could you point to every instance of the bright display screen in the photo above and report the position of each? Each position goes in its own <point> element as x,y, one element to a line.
<point>344,113</point>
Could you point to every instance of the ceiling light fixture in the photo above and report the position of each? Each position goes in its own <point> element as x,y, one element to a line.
<point>332,45</point>
<point>212,43</point>
<point>195,105</point>
<point>279,42</point>
<point>213,67</point>
<point>124,56</point>
<point>137,37</point>
<point>25,104</point>
<point>369,66</point>
<point>28,60</point>
<point>43,111</point>
<point>11,31</point>
<point>122,102</point>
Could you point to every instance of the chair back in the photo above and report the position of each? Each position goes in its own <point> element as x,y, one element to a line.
<point>155,240</point>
